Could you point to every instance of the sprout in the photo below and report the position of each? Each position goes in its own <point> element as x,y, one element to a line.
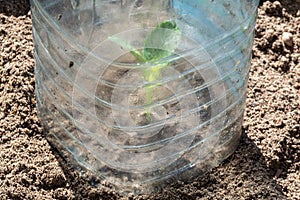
<point>159,44</point>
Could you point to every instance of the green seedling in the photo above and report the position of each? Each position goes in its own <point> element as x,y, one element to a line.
<point>159,44</point>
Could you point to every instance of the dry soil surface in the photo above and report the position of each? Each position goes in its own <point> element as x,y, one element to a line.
<point>264,166</point>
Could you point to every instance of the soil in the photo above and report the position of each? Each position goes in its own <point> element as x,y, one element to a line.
<point>264,166</point>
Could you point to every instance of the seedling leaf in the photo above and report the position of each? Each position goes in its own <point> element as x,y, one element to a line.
<point>137,54</point>
<point>162,41</point>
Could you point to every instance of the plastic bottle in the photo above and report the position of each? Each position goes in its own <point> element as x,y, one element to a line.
<point>134,121</point>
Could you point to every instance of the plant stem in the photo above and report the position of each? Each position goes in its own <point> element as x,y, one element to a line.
<point>149,92</point>
<point>152,74</point>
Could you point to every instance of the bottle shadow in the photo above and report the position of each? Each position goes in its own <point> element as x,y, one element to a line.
<point>244,174</point>
<point>14,7</point>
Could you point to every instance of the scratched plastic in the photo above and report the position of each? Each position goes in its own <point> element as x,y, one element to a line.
<point>93,98</point>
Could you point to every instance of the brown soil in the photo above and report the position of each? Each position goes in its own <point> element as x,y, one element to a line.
<point>265,165</point>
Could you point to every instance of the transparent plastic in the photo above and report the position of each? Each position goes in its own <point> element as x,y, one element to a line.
<point>139,124</point>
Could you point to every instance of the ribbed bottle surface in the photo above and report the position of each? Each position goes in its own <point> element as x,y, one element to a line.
<point>100,106</point>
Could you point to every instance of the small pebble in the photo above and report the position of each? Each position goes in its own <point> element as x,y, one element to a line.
<point>287,39</point>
